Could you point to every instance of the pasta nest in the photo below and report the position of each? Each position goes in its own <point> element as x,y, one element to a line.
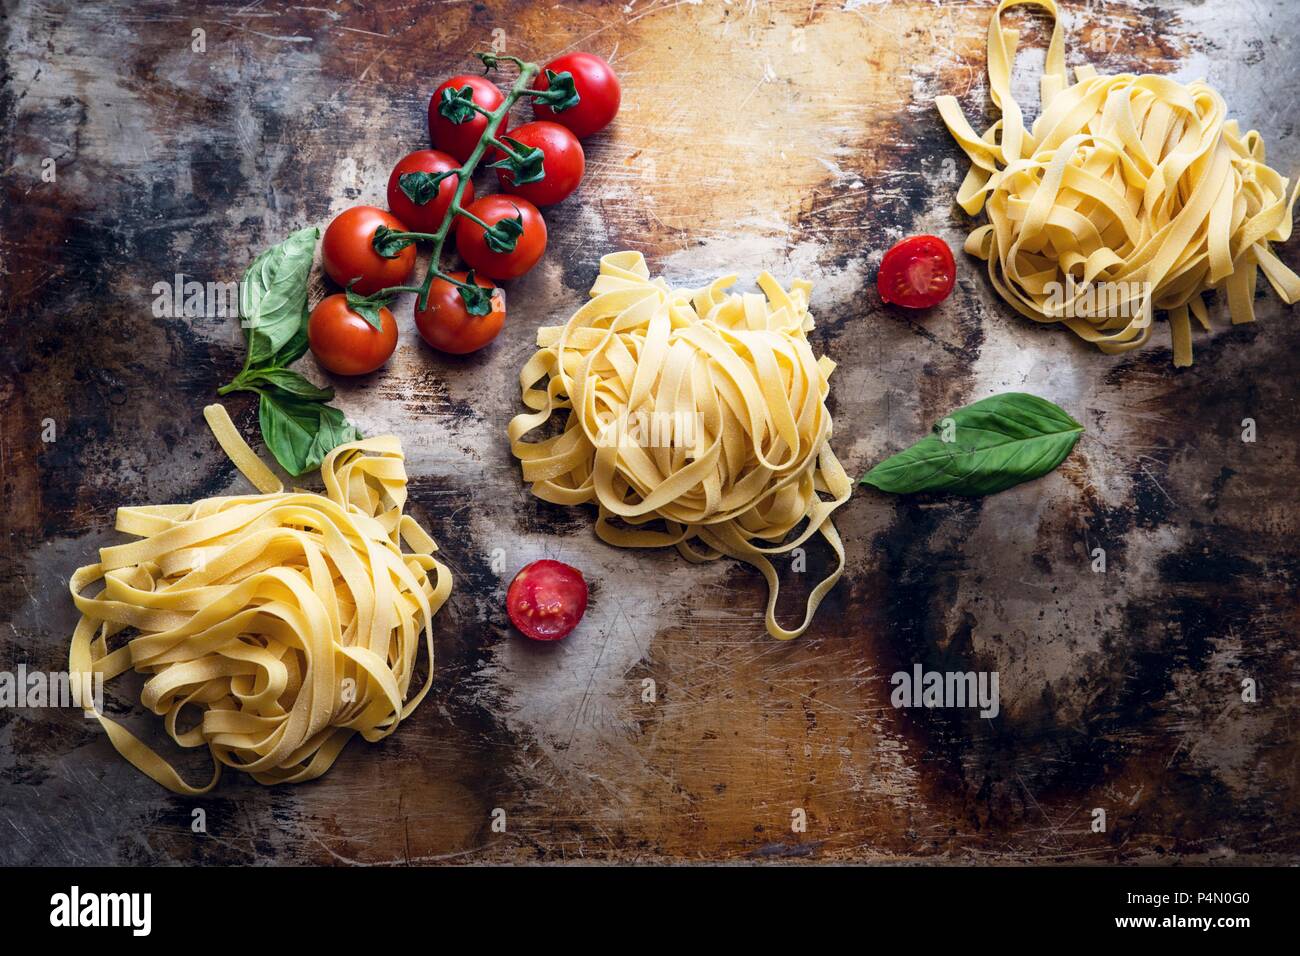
<point>702,412</point>
<point>285,622</point>
<point>1129,195</point>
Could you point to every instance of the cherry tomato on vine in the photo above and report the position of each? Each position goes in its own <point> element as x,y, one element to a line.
<point>917,273</point>
<point>472,244</point>
<point>347,252</point>
<point>598,94</point>
<point>426,216</point>
<point>447,325</point>
<point>563,163</point>
<point>546,600</point>
<point>344,342</point>
<point>459,139</point>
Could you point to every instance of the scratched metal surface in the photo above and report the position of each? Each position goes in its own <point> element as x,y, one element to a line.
<point>794,136</point>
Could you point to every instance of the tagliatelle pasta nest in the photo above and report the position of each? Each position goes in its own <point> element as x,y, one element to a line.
<point>700,410</point>
<point>1130,194</point>
<point>278,624</point>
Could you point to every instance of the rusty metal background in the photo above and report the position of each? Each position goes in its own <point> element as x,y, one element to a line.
<point>796,136</point>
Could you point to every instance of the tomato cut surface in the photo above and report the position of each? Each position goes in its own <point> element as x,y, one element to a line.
<point>546,600</point>
<point>917,273</point>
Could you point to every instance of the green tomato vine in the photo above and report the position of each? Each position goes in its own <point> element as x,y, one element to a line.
<point>525,164</point>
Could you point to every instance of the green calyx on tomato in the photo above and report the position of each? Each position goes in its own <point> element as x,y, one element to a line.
<point>561,93</point>
<point>477,299</point>
<point>422,188</point>
<point>526,163</point>
<point>504,235</point>
<point>458,105</point>
<point>389,243</point>
<point>368,306</point>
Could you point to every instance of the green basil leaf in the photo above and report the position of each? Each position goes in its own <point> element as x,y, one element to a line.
<point>273,297</point>
<point>502,236</point>
<point>299,432</point>
<point>287,381</point>
<point>983,448</point>
<point>421,187</point>
<point>296,347</point>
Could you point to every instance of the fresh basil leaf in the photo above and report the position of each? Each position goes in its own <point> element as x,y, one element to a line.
<point>563,94</point>
<point>273,296</point>
<point>389,242</point>
<point>422,187</point>
<point>286,380</point>
<point>368,308</point>
<point>299,432</point>
<point>296,347</point>
<point>528,168</point>
<point>982,448</point>
<point>502,236</point>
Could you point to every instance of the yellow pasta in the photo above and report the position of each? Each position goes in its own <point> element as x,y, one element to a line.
<point>1137,187</point>
<point>272,626</point>
<point>700,412</point>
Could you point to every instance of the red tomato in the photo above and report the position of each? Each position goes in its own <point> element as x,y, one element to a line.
<point>459,139</point>
<point>562,166</point>
<point>598,94</point>
<point>427,217</point>
<point>529,245</point>
<point>347,253</point>
<point>445,323</point>
<point>917,273</point>
<point>345,343</point>
<point>546,600</point>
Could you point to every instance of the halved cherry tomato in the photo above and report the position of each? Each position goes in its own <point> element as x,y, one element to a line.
<point>546,600</point>
<point>426,217</point>
<point>459,139</point>
<point>447,325</point>
<point>344,342</point>
<point>562,163</point>
<point>917,273</point>
<point>598,94</point>
<point>347,252</point>
<point>529,245</point>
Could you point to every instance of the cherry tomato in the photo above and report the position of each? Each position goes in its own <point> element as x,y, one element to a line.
<point>447,325</point>
<point>459,139</point>
<point>563,163</point>
<point>917,273</point>
<point>546,600</point>
<point>598,94</point>
<point>344,342</point>
<point>347,253</point>
<point>426,217</point>
<point>529,245</point>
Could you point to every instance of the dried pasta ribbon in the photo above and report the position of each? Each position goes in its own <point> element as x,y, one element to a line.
<point>1135,182</point>
<point>274,626</point>
<point>745,469</point>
